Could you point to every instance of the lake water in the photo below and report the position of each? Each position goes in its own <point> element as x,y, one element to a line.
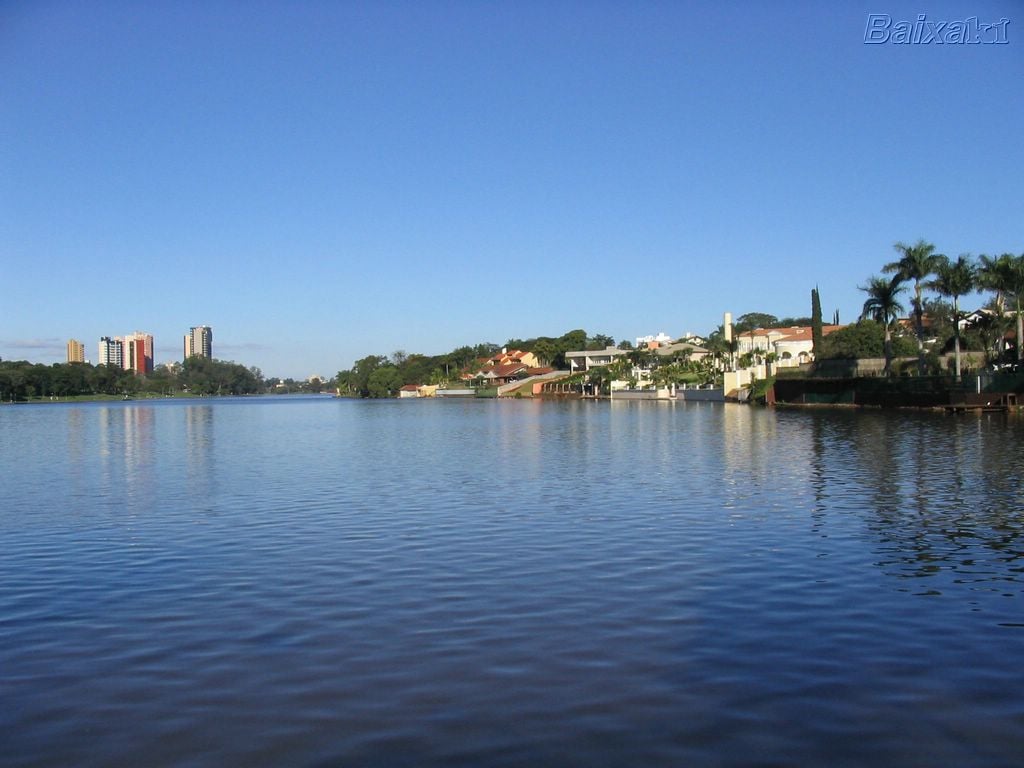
<point>315,582</point>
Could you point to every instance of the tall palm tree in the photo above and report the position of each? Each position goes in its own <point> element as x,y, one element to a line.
<point>990,270</point>
<point>601,377</point>
<point>884,306</point>
<point>916,263</point>
<point>955,279</point>
<point>733,346</point>
<point>1016,286</point>
<point>1005,276</point>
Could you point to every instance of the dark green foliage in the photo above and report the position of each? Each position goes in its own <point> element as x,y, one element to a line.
<point>600,341</point>
<point>816,326</point>
<point>792,322</point>
<point>551,350</point>
<point>883,306</point>
<point>955,279</point>
<point>20,380</point>
<point>385,381</point>
<point>380,376</point>
<point>863,339</point>
<point>419,369</point>
<point>916,264</point>
<point>1005,276</point>
<point>202,376</point>
<point>753,320</point>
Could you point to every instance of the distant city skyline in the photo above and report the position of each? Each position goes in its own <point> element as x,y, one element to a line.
<point>324,181</point>
<point>135,351</point>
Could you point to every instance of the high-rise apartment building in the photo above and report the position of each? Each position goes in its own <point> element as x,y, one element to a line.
<point>111,352</point>
<point>199,342</point>
<point>133,352</point>
<point>138,352</point>
<point>76,351</point>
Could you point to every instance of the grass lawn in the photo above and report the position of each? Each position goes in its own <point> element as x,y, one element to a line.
<point>104,398</point>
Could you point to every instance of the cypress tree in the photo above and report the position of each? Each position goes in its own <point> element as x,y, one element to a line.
<point>816,332</point>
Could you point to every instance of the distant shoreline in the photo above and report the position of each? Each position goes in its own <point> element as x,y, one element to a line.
<point>149,397</point>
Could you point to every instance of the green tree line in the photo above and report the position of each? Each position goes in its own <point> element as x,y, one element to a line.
<point>383,375</point>
<point>22,380</point>
<point>918,271</point>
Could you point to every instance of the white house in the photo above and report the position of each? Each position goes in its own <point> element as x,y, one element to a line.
<point>584,360</point>
<point>792,346</point>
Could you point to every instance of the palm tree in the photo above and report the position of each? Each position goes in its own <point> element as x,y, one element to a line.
<point>1005,276</point>
<point>601,378</point>
<point>917,263</point>
<point>883,305</point>
<point>955,279</point>
<point>990,269</point>
<point>733,346</point>
<point>620,370</point>
<point>667,375</point>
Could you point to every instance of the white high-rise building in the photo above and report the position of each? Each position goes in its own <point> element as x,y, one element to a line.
<point>111,352</point>
<point>199,342</point>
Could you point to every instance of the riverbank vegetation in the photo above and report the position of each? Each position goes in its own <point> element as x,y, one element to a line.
<point>21,380</point>
<point>936,323</point>
<point>378,376</point>
<point>926,285</point>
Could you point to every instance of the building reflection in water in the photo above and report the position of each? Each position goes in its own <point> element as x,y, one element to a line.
<point>146,453</point>
<point>940,495</point>
<point>936,497</point>
<point>127,451</point>
<point>199,472</point>
<point>80,454</point>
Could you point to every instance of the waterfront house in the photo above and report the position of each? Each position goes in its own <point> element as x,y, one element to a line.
<point>681,350</point>
<point>504,367</point>
<point>660,352</point>
<point>507,356</point>
<point>493,376</point>
<point>584,360</point>
<point>791,346</point>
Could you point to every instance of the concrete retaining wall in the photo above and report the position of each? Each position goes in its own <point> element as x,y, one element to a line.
<point>701,395</point>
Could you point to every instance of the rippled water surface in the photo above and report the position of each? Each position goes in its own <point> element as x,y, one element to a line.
<point>314,582</point>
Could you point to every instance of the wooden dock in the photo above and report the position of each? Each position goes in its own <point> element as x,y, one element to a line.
<point>983,401</point>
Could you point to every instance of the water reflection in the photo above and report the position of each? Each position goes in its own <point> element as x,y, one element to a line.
<point>79,453</point>
<point>624,583</point>
<point>200,470</point>
<point>939,494</point>
<point>126,447</point>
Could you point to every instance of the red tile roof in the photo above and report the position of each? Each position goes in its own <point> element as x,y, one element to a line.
<point>508,369</point>
<point>796,333</point>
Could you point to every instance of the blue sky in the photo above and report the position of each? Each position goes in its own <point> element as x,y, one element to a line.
<point>321,181</point>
